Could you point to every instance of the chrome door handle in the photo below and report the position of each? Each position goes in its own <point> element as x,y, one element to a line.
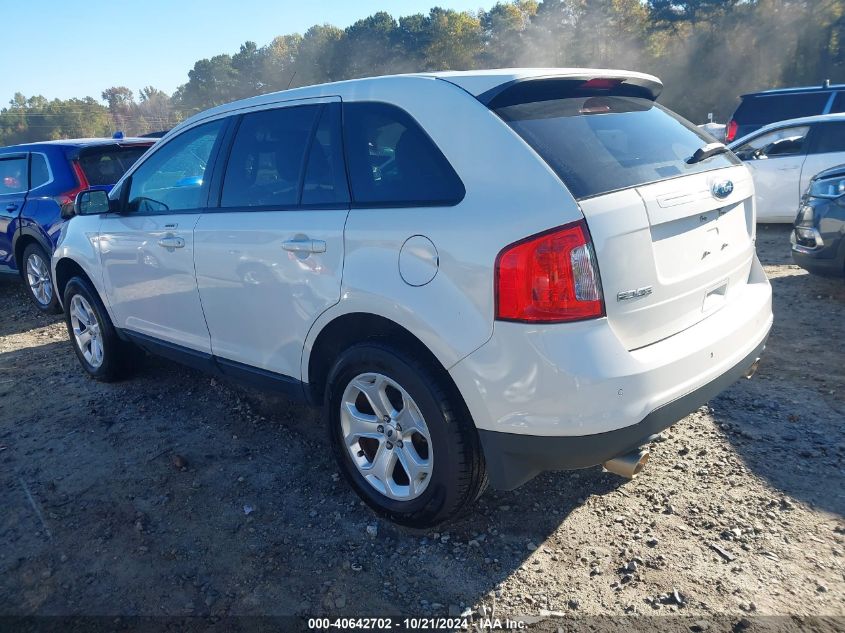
<point>304,246</point>
<point>171,241</point>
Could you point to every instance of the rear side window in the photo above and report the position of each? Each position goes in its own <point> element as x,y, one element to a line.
<point>765,109</point>
<point>325,174</point>
<point>598,144</point>
<point>393,162</point>
<point>39,171</point>
<point>12,175</point>
<point>106,165</point>
<point>828,137</point>
<point>268,157</point>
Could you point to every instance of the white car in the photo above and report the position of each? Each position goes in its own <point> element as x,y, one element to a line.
<point>784,157</point>
<point>480,275</point>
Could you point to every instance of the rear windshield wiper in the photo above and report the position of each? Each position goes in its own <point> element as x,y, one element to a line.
<point>708,151</point>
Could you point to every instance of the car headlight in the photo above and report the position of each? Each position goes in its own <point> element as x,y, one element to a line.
<point>829,188</point>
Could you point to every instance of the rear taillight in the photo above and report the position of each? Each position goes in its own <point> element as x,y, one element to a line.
<point>730,131</point>
<point>69,197</point>
<point>551,277</point>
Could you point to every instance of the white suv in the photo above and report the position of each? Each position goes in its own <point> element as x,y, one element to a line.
<point>479,274</point>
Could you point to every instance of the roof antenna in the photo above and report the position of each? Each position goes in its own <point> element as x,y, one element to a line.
<point>294,75</point>
<point>826,83</point>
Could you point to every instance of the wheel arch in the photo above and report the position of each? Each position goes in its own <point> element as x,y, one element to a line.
<point>24,238</point>
<point>66,269</point>
<point>352,328</point>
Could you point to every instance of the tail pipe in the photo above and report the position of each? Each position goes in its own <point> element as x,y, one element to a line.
<point>628,465</point>
<point>753,369</point>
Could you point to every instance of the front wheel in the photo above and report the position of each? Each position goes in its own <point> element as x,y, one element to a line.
<point>102,354</point>
<point>402,438</point>
<point>35,270</point>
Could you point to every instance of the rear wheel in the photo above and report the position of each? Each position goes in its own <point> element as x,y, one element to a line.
<point>403,440</point>
<point>35,270</point>
<point>102,354</point>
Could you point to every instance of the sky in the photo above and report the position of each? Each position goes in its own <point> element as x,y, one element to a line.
<point>79,48</point>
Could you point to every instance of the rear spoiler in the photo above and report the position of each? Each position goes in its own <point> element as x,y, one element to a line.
<point>78,152</point>
<point>530,89</point>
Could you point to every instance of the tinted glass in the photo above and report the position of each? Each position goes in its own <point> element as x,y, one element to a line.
<point>172,178</point>
<point>267,158</point>
<point>601,144</point>
<point>393,162</point>
<point>325,176</point>
<point>828,137</point>
<point>783,142</point>
<point>763,110</point>
<point>12,175</point>
<point>39,171</point>
<point>838,102</point>
<point>106,165</point>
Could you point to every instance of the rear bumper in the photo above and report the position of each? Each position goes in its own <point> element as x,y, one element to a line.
<point>514,459</point>
<point>571,395</point>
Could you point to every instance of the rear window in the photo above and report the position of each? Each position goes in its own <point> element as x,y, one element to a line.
<point>106,165</point>
<point>599,144</point>
<point>393,162</point>
<point>765,109</point>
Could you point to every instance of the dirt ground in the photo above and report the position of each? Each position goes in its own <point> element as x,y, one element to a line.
<point>176,494</point>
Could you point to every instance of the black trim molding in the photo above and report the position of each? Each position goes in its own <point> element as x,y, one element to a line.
<point>246,374</point>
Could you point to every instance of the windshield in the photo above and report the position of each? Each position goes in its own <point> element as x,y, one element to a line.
<point>599,144</point>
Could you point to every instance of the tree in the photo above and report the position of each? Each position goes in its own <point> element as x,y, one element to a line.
<point>456,40</point>
<point>369,47</point>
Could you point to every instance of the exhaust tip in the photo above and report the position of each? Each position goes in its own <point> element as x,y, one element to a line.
<point>753,369</point>
<point>628,465</point>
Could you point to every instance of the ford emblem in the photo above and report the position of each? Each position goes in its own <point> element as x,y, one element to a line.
<point>723,189</point>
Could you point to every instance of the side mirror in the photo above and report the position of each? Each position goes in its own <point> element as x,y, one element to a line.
<point>91,202</point>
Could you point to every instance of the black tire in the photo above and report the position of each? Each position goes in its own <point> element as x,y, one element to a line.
<point>37,253</point>
<point>458,475</point>
<point>118,356</point>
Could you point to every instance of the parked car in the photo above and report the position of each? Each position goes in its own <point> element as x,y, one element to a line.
<point>818,239</point>
<point>480,275</point>
<point>758,109</point>
<point>37,181</point>
<point>784,156</point>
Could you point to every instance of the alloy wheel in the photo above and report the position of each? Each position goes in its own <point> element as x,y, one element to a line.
<point>386,436</point>
<point>38,278</point>
<point>86,331</point>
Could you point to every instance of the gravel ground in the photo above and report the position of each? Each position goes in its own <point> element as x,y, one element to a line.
<point>176,494</point>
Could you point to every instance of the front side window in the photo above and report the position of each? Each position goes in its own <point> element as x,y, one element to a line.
<point>787,141</point>
<point>172,178</point>
<point>267,158</point>
<point>12,175</point>
<point>393,162</point>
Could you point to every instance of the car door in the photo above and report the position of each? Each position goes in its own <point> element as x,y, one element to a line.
<point>13,187</point>
<point>147,249</point>
<point>826,149</point>
<point>269,258</point>
<point>775,159</point>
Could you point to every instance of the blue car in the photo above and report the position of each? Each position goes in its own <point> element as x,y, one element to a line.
<point>38,184</point>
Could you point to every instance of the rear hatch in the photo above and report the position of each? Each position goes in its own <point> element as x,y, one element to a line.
<point>673,238</point>
<point>104,165</point>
